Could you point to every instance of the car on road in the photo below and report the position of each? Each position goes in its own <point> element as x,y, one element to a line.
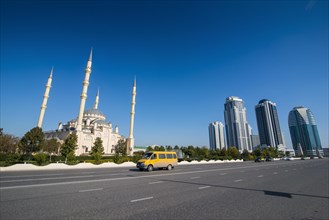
<point>157,159</point>
<point>268,159</point>
<point>259,159</point>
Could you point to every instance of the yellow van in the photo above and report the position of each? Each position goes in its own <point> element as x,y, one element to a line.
<point>157,159</point>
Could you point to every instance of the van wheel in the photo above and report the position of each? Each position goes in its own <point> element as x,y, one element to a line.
<point>150,168</point>
<point>169,167</point>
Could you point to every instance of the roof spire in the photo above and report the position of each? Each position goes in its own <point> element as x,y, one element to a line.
<point>91,55</point>
<point>96,101</point>
<point>51,72</point>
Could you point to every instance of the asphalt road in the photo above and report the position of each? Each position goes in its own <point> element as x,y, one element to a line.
<point>248,190</point>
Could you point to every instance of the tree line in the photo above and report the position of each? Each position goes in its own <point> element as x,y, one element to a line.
<point>33,146</point>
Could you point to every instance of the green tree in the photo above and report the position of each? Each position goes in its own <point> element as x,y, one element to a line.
<point>245,155</point>
<point>40,158</point>
<point>233,152</point>
<point>97,150</point>
<point>162,148</point>
<point>69,146</point>
<point>257,152</point>
<point>52,146</point>
<point>32,141</point>
<point>149,148</point>
<point>8,143</point>
<point>176,147</point>
<point>121,148</point>
<point>273,152</point>
<point>223,153</point>
<point>169,148</point>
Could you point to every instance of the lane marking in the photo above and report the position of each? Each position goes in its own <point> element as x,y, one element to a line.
<point>222,174</point>
<point>237,180</point>
<point>241,171</point>
<point>195,177</point>
<point>155,182</point>
<point>286,171</point>
<point>89,190</point>
<point>146,198</point>
<point>260,176</point>
<point>275,173</point>
<point>127,178</point>
<point>204,187</point>
<point>53,178</point>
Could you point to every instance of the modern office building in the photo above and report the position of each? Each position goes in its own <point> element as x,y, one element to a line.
<point>269,131</point>
<point>236,124</point>
<point>216,135</point>
<point>304,132</point>
<point>255,143</point>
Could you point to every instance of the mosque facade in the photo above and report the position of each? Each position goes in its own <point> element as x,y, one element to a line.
<point>91,123</point>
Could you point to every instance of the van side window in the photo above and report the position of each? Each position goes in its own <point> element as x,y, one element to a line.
<point>169,156</point>
<point>175,156</point>
<point>162,156</point>
<point>154,156</point>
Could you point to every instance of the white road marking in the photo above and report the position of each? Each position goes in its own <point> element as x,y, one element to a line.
<point>237,180</point>
<point>275,173</point>
<point>241,171</point>
<point>286,171</point>
<point>260,176</point>
<point>127,178</point>
<point>137,200</point>
<point>52,178</point>
<point>155,182</point>
<point>204,187</point>
<point>89,190</point>
<point>195,177</point>
<point>223,174</point>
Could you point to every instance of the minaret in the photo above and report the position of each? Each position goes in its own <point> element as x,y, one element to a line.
<point>130,141</point>
<point>45,98</point>
<point>96,101</point>
<point>84,91</point>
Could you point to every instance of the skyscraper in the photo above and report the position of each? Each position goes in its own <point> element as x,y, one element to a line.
<point>304,132</point>
<point>216,135</point>
<point>268,124</point>
<point>236,124</point>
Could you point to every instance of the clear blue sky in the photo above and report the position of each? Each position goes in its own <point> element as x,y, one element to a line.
<point>188,56</point>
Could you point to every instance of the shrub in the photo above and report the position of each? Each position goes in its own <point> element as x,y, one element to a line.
<point>40,158</point>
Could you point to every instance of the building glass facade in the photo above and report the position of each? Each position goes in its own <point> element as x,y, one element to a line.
<point>304,132</point>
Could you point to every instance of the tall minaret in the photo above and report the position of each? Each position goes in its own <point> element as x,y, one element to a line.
<point>96,101</point>
<point>45,98</point>
<point>130,141</point>
<point>84,91</point>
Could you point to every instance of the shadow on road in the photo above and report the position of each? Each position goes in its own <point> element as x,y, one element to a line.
<point>266,192</point>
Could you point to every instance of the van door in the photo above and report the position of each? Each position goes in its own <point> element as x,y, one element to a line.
<point>155,160</point>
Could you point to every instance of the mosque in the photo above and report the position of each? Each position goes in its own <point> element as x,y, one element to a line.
<point>91,123</point>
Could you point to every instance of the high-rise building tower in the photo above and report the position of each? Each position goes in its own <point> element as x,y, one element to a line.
<point>304,132</point>
<point>216,135</point>
<point>45,98</point>
<point>270,134</point>
<point>131,140</point>
<point>84,91</point>
<point>236,124</point>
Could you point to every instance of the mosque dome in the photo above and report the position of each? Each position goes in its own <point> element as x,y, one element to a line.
<point>94,113</point>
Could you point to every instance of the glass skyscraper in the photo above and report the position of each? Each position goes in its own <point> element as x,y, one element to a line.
<point>304,132</point>
<point>268,125</point>
<point>238,131</point>
<point>216,135</point>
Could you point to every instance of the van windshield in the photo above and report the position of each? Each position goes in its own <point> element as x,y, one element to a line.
<point>147,155</point>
